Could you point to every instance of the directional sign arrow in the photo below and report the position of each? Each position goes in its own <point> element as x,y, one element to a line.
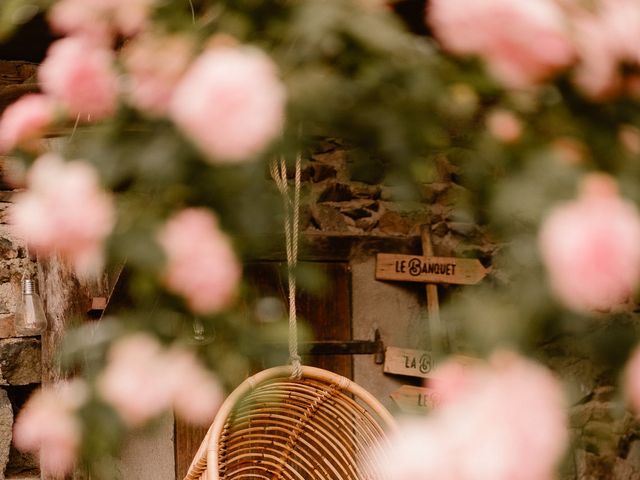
<point>415,399</point>
<point>415,268</point>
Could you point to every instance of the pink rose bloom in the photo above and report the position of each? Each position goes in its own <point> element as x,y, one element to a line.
<point>230,103</point>
<point>606,40</point>
<point>84,18</point>
<point>201,265</point>
<point>134,381</point>
<point>25,121</point>
<point>80,75</point>
<point>504,125</point>
<point>100,19</point>
<point>509,423</point>
<point>591,248</point>
<point>197,395</point>
<point>64,212</point>
<point>47,425</point>
<point>501,32</point>
<point>450,380</point>
<point>142,380</point>
<point>155,65</point>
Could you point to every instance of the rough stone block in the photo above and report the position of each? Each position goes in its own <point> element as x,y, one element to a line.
<point>392,223</point>
<point>20,361</point>
<point>6,428</point>
<point>329,219</point>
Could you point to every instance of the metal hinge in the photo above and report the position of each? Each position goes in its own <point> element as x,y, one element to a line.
<point>347,347</point>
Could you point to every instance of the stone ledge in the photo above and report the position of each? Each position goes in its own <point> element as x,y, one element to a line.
<point>20,361</point>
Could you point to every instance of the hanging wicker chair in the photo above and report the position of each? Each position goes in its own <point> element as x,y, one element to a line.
<point>319,427</point>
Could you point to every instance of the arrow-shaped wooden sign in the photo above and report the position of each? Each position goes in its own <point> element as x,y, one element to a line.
<point>406,361</point>
<point>415,399</point>
<point>417,363</point>
<point>415,268</point>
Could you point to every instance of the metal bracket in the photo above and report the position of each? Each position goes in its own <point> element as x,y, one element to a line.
<point>347,347</point>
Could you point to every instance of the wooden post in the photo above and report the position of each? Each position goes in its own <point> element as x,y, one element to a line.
<point>439,340</point>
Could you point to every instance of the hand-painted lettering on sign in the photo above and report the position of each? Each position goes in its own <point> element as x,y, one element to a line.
<point>412,399</point>
<point>412,268</point>
<point>406,361</point>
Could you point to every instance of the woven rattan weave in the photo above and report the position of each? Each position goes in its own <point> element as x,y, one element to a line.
<point>321,426</point>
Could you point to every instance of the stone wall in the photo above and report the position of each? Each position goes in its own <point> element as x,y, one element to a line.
<point>20,357</point>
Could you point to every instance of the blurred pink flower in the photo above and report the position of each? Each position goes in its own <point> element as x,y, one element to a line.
<point>64,211</point>
<point>134,382</point>
<point>450,380</point>
<point>230,103</point>
<point>25,121</point>
<point>591,247</point>
<point>201,265</point>
<point>197,395</point>
<point>504,125</point>
<point>142,380</point>
<point>501,33</point>
<point>81,18</point>
<point>47,425</point>
<point>80,75</point>
<point>632,380</point>
<point>155,65</point>
<point>606,41</point>
<point>509,423</point>
<point>100,19</point>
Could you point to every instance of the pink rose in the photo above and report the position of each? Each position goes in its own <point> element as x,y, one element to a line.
<point>47,425</point>
<point>606,41</point>
<point>84,18</point>
<point>508,423</point>
<point>501,33</point>
<point>100,19</point>
<point>81,77</point>
<point>134,382</point>
<point>155,65</point>
<point>504,125</point>
<point>201,265</point>
<point>64,211</point>
<point>591,247</point>
<point>230,103</point>
<point>25,121</point>
<point>142,380</point>
<point>196,392</point>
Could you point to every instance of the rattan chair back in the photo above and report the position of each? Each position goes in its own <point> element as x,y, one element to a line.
<point>320,427</point>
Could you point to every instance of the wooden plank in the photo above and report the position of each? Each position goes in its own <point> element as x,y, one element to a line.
<point>410,399</point>
<point>409,362</point>
<point>425,269</point>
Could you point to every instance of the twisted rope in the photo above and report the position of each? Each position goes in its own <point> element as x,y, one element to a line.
<point>278,169</point>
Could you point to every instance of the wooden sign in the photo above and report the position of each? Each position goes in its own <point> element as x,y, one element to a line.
<point>415,399</point>
<point>405,361</point>
<point>414,268</point>
<point>418,363</point>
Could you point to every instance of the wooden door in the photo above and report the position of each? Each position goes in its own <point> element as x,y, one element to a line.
<point>328,314</point>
